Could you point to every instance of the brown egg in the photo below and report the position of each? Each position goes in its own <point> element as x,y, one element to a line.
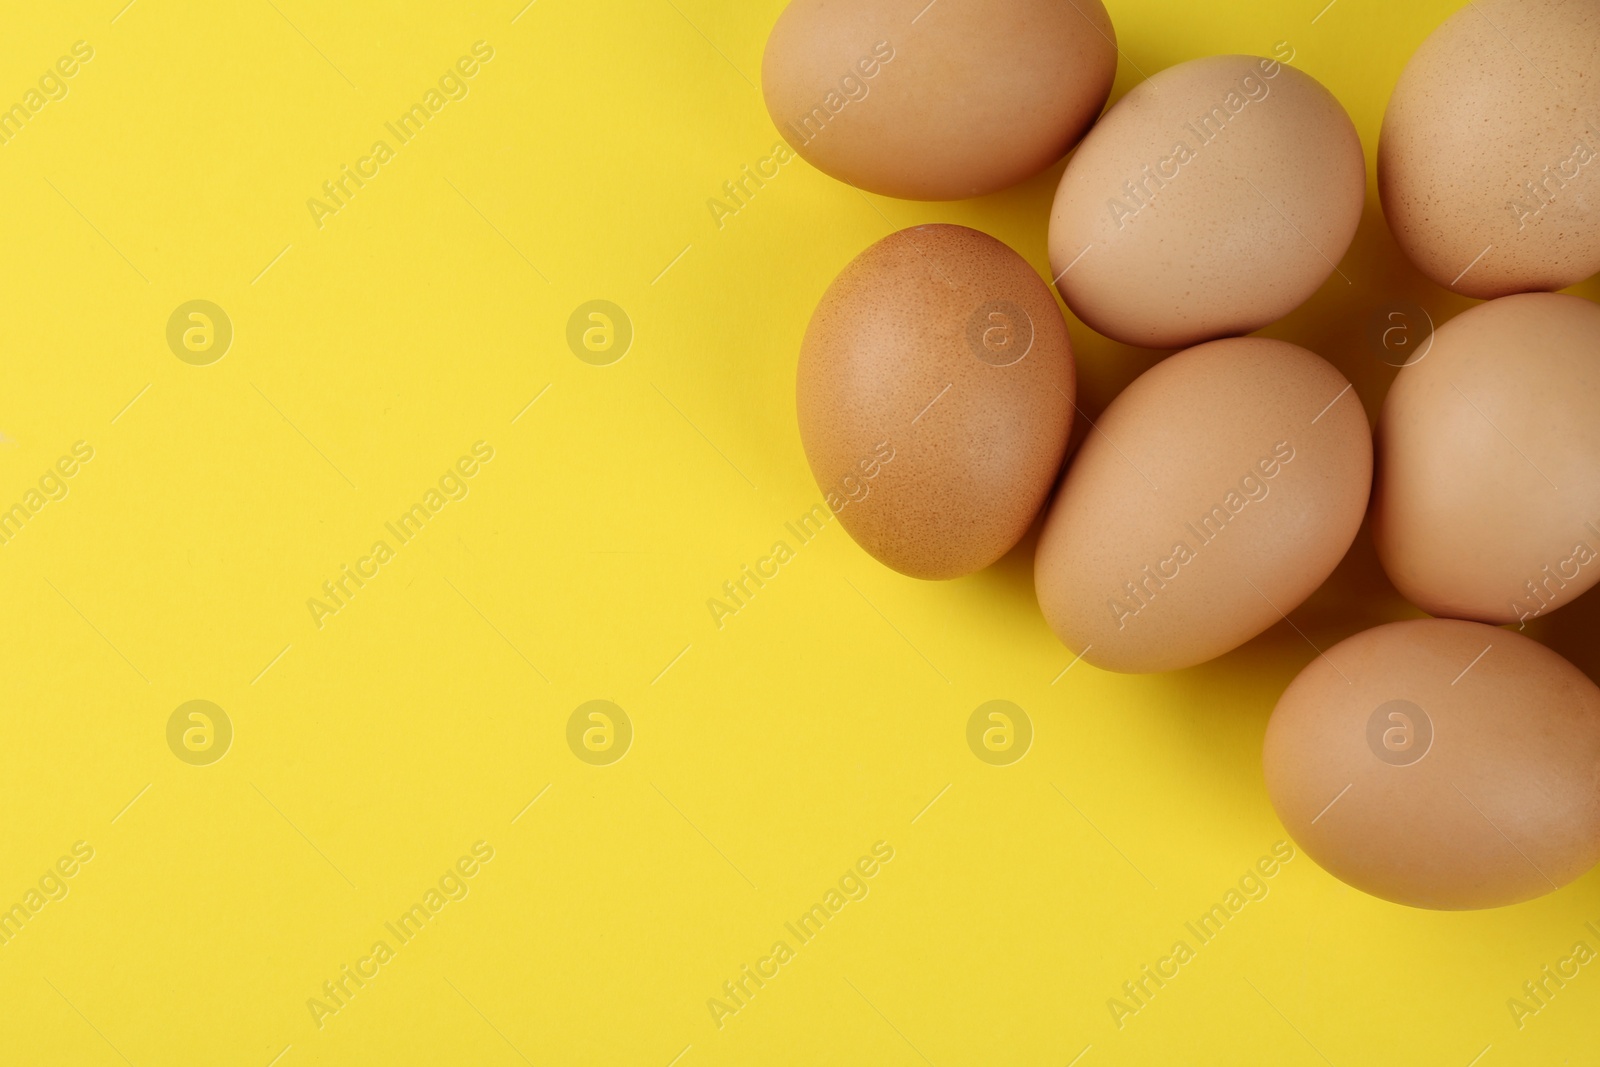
<point>937,101</point>
<point>1440,764</point>
<point>1212,200</point>
<point>1489,160</point>
<point>935,395</point>
<point>1487,503</point>
<point>1214,495</point>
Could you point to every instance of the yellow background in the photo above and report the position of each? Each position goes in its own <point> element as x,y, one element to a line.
<point>768,755</point>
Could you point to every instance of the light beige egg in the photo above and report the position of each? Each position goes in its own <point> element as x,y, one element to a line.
<point>1489,159</point>
<point>1213,199</point>
<point>937,101</point>
<point>1211,498</point>
<point>1440,764</point>
<point>1487,504</point>
<point>935,394</point>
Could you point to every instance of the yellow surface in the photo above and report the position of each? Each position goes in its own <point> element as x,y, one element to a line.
<point>371,752</point>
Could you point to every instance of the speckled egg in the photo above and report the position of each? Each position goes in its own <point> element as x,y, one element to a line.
<point>1440,764</point>
<point>1213,199</point>
<point>937,101</point>
<point>1489,160</point>
<point>935,395</point>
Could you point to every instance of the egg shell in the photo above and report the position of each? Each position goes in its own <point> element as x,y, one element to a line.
<point>935,395</point>
<point>1214,495</point>
<point>1487,502</point>
<point>1211,200</point>
<point>937,102</point>
<point>1489,158</point>
<point>1440,764</point>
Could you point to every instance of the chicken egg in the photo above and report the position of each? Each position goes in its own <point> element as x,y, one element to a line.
<point>935,395</point>
<point>1211,497</point>
<point>1440,764</point>
<point>1487,503</point>
<point>1212,200</point>
<point>937,101</point>
<point>1489,159</point>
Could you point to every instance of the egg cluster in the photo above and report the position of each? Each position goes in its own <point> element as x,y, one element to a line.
<point>1444,762</point>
